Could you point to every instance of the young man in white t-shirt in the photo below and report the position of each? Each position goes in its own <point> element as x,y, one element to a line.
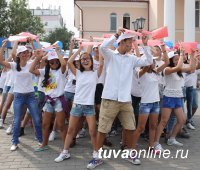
<point>116,97</point>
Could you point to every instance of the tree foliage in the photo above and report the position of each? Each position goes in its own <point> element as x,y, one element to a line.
<point>15,17</point>
<point>60,34</point>
<point>3,18</point>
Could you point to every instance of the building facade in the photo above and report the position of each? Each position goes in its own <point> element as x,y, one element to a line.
<point>51,18</point>
<point>97,17</point>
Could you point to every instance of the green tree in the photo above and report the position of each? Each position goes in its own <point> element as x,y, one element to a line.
<point>3,18</point>
<point>60,34</point>
<point>22,20</point>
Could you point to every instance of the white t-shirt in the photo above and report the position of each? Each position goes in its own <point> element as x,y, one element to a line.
<point>9,78</point>
<point>136,87</point>
<point>150,89</point>
<point>70,87</point>
<point>86,82</point>
<point>96,66</point>
<point>3,79</point>
<point>191,79</point>
<point>23,82</point>
<point>173,85</point>
<point>40,79</point>
<point>56,84</point>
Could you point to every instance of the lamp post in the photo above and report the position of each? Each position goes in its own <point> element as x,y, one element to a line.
<point>138,23</point>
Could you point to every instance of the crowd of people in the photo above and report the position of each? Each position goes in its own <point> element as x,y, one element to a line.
<point>140,88</point>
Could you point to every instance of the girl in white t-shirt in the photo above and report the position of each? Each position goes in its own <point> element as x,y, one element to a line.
<point>150,106</point>
<point>53,83</point>
<point>86,80</point>
<point>173,97</point>
<point>23,93</point>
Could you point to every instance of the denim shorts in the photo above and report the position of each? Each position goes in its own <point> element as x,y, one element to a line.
<point>69,97</point>
<point>147,108</point>
<point>172,102</point>
<point>82,110</point>
<point>57,107</point>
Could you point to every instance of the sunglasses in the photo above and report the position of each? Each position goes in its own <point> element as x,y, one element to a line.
<point>85,59</point>
<point>53,62</point>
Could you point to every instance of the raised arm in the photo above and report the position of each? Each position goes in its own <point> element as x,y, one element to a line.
<point>71,60</point>
<point>61,59</point>
<point>147,58</point>
<point>137,51</point>
<point>105,46</point>
<point>177,68</point>
<point>38,56</point>
<point>143,71</point>
<point>165,59</point>
<point>2,62</point>
<point>101,62</point>
<point>89,48</point>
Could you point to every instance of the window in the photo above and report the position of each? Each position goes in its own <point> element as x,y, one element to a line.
<point>113,22</point>
<point>126,21</point>
<point>197,13</point>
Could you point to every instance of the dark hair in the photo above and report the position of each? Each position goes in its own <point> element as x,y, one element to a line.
<point>18,68</point>
<point>171,64</point>
<point>45,82</point>
<point>81,67</point>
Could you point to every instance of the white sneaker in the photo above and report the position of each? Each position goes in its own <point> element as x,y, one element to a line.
<point>62,157</point>
<point>81,134</point>
<point>159,147</point>
<point>1,123</point>
<point>189,126</point>
<point>174,142</point>
<point>134,161</point>
<point>52,136</point>
<point>13,147</point>
<point>9,130</point>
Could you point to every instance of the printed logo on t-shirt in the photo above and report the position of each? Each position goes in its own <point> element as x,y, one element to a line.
<point>51,83</point>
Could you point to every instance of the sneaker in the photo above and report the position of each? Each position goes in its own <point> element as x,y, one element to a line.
<point>62,157</point>
<point>94,163</point>
<point>113,133</point>
<point>13,147</point>
<point>81,134</point>
<point>9,130</point>
<point>174,142</point>
<point>159,147</point>
<point>134,160</point>
<point>183,134</point>
<point>154,151</point>
<point>189,126</point>
<point>107,143</point>
<point>52,136</point>
<point>40,149</point>
<point>1,123</point>
<point>192,123</point>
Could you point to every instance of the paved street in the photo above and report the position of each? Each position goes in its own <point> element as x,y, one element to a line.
<point>26,159</point>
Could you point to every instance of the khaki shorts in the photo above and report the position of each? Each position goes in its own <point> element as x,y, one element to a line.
<point>110,109</point>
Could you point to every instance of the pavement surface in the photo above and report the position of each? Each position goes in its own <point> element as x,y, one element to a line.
<point>24,158</point>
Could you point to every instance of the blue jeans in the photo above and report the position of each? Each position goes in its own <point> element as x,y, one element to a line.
<point>192,101</point>
<point>30,101</point>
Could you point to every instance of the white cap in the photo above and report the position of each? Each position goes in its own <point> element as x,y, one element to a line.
<point>125,36</point>
<point>77,58</point>
<point>95,46</point>
<point>21,49</point>
<point>171,54</point>
<point>52,55</point>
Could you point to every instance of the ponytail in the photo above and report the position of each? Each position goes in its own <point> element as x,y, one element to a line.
<point>46,75</point>
<point>18,68</point>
